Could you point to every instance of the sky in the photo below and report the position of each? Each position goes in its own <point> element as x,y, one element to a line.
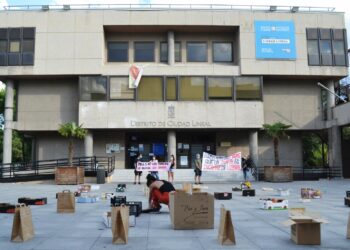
<point>340,5</point>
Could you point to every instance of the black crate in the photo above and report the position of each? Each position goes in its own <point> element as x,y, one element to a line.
<point>347,201</point>
<point>118,200</point>
<point>348,194</point>
<point>135,207</point>
<point>223,195</point>
<point>33,201</point>
<point>122,185</point>
<point>248,192</point>
<point>7,208</point>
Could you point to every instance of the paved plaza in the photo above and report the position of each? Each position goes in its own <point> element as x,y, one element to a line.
<point>254,228</point>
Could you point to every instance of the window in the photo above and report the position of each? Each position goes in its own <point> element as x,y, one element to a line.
<point>119,89</point>
<point>326,47</point>
<point>3,46</point>
<point>171,93</point>
<point>222,52</point>
<point>197,52</point>
<point>248,88</point>
<point>192,88</point>
<point>118,51</point>
<point>144,51</point>
<point>164,52</point>
<point>15,46</point>
<point>93,88</point>
<point>150,89</point>
<point>220,88</point>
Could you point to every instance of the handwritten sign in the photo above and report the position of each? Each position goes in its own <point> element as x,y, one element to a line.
<point>221,163</point>
<point>153,166</point>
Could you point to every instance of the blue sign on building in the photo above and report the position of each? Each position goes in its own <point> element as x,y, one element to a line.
<point>275,40</point>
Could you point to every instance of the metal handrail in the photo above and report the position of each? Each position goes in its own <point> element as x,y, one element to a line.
<point>167,7</point>
<point>47,167</point>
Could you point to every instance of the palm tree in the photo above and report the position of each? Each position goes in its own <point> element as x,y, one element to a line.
<point>276,131</point>
<point>71,131</point>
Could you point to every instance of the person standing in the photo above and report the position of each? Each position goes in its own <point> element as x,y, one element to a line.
<point>198,169</point>
<point>154,173</point>
<point>171,169</point>
<point>137,173</point>
<point>244,167</point>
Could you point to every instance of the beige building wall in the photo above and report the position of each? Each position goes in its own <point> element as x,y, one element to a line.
<point>101,138</point>
<point>239,140</point>
<point>72,42</point>
<point>294,102</point>
<point>44,104</point>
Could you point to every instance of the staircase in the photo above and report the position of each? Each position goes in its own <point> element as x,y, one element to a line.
<point>182,175</point>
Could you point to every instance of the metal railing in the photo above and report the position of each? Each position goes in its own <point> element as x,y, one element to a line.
<point>45,169</point>
<point>171,7</point>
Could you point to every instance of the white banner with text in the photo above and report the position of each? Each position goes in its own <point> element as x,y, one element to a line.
<point>221,163</point>
<point>153,166</point>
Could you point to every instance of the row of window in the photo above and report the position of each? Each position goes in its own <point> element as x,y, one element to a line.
<point>326,47</point>
<point>17,46</point>
<point>145,51</point>
<point>172,88</point>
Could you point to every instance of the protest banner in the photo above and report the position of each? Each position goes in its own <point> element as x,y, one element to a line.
<point>153,166</point>
<point>221,163</point>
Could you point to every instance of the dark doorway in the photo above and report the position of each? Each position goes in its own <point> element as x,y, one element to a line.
<point>345,151</point>
<point>147,144</point>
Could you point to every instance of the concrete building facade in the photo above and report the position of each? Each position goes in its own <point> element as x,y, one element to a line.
<point>205,86</point>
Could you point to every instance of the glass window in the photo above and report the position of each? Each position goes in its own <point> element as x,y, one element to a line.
<point>164,52</point>
<point>15,46</point>
<point>118,51</point>
<point>312,52</point>
<point>150,89</point>
<point>93,88</point>
<point>248,88</point>
<point>339,53</point>
<point>192,88</point>
<point>171,89</point>
<point>220,88</point>
<point>119,89</point>
<point>197,52</point>
<point>28,46</point>
<point>326,52</point>
<point>144,51</point>
<point>222,52</point>
<point>3,46</point>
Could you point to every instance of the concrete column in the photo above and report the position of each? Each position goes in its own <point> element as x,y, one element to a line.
<point>330,100</point>
<point>171,48</point>
<point>7,144</point>
<point>89,144</point>
<point>253,146</point>
<point>171,143</point>
<point>334,150</point>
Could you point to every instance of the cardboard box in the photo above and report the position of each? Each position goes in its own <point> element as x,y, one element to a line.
<point>309,193</point>
<point>273,204</point>
<point>305,227</point>
<point>191,211</point>
<point>106,217</point>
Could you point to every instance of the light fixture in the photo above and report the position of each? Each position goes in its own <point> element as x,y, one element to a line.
<point>295,9</point>
<point>66,7</point>
<point>45,7</point>
<point>273,8</point>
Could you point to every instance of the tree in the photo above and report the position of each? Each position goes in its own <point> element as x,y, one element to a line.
<point>276,131</point>
<point>71,131</point>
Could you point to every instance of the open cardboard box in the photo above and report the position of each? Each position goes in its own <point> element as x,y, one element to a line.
<point>305,227</point>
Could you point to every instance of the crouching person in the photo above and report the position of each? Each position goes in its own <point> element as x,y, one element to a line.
<point>158,193</point>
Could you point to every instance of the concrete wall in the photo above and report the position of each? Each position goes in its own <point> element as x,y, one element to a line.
<point>341,114</point>
<point>44,104</point>
<point>72,42</point>
<point>53,146</point>
<point>294,102</point>
<point>101,138</point>
<point>239,140</point>
<point>130,114</point>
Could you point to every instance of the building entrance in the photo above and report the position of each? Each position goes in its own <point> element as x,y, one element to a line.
<point>345,151</point>
<point>147,144</point>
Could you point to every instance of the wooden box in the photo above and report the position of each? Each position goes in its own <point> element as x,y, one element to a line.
<point>69,175</point>
<point>278,173</point>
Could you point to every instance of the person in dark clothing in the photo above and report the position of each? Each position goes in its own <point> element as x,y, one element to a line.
<point>158,193</point>
<point>137,173</point>
<point>245,168</point>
